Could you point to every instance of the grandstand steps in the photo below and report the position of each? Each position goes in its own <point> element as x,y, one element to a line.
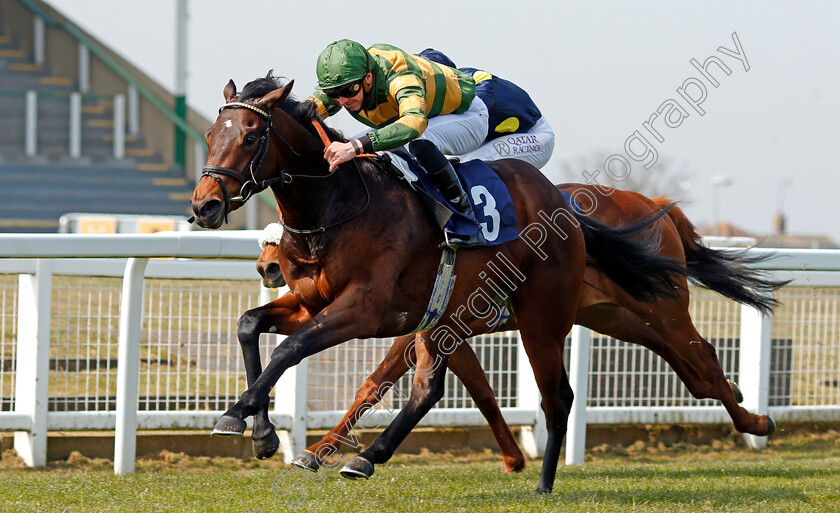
<point>39,189</point>
<point>22,175</point>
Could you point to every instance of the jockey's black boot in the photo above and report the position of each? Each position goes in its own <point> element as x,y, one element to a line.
<point>442,174</point>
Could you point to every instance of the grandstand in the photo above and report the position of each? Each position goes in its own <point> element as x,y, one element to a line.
<point>83,130</point>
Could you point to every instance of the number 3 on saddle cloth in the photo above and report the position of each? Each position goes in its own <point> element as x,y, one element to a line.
<point>495,217</point>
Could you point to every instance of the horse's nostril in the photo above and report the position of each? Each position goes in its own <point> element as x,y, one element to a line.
<point>273,273</point>
<point>210,208</point>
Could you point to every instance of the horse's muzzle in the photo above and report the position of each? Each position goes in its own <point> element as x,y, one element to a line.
<point>272,278</point>
<point>209,213</point>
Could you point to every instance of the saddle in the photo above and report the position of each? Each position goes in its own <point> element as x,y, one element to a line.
<point>495,216</point>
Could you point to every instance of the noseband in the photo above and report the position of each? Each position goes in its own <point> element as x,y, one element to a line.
<point>251,185</point>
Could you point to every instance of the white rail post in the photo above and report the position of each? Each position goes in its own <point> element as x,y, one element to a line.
<point>128,365</point>
<point>579,376</point>
<point>252,215</point>
<point>290,398</point>
<point>38,40</point>
<point>75,125</point>
<point>31,129</point>
<point>84,68</point>
<point>33,361</point>
<point>754,379</point>
<point>133,110</point>
<point>119,126</point>
<point>531,438</point>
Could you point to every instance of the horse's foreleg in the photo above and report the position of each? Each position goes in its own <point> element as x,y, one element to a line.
<point>392,368</point>
<point>466,366</point>
<point>351,315</point>
<point>283,315</point>
<point>426,390</point>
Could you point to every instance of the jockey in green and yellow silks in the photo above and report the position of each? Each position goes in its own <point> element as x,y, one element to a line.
<point>403,98</point>
<point>404,91</point>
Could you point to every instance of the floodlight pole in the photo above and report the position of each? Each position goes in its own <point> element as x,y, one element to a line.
<point>181,80</point>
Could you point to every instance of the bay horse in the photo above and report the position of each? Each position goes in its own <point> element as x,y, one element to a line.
<point>360,258</point>
<point>665,328</point>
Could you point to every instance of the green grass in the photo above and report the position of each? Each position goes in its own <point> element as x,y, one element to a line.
<point>800,473</point>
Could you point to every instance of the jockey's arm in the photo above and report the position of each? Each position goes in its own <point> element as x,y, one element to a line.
<point>409,94</point>
<point>337,152</point>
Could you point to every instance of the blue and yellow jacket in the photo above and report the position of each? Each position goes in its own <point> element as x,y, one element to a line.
<point>511,109</point>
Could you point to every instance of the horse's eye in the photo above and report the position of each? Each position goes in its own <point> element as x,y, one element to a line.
<point>250,139</point>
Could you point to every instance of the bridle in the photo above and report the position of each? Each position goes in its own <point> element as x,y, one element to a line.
<point>251,185</point>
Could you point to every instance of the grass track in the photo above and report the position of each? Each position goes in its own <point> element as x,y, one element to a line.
<point>796,475</point>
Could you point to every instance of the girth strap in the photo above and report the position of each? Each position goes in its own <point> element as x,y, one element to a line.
<point>441,292</point>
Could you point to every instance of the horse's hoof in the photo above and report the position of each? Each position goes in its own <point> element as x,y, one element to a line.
<point>739,397</point>
<point>771,427</point>
<point>357,468</point>
<point>228,426</point>
<point>514,464</point>
<point>307,461</point>
<point>267,446</point>
<point>542,490</point>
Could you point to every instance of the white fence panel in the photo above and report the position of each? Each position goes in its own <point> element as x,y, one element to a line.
<point>184,364</point>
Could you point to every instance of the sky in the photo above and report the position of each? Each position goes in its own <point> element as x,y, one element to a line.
<point>599,72</point>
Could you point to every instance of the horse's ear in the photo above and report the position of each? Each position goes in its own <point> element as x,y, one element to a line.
<point>277,96</point>
<point>230,91</point>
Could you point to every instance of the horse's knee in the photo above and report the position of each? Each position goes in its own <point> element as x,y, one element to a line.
<point>247,328</point>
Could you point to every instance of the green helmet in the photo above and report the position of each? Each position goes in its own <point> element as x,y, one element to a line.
<point>342,62</point>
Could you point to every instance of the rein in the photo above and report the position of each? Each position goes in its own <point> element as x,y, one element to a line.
<point>322,229</point>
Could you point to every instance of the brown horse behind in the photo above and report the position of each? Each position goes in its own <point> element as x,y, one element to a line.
<point>665,328</point>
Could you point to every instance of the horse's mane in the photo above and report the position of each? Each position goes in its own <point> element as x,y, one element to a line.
<point>304,112</point>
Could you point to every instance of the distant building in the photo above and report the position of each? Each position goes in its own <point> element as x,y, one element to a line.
<point>779,239</point>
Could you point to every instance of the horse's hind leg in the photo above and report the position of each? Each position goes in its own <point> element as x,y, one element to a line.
<point>543,325</point>
<point>620,323</point>
<point>701,355</point>
<point>392,368</point>
<point>426,390</point>
<point>466,366</point>
<point>545,353</point>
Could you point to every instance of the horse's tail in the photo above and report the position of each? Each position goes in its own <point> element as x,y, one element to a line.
<point>723,271</point>
<point>628,256</point>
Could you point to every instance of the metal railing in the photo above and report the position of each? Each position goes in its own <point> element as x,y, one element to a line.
<point>135,89</point>
<point>135,86</point>
<point>30,98</point>
<point>148,343</point>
